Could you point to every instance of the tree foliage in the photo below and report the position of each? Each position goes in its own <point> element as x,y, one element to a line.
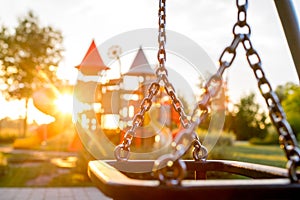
<point>283,91</point>
<point>291,105</point>
<point>25,52</point>
<point>29,57</point>
<point>249,120</point>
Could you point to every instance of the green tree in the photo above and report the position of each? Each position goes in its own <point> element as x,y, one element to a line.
<point>29,56</point>
<point>249,120</point>
<point>283,91</point>
<point>291,105</point>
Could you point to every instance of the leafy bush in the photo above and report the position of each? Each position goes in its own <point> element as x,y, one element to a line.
<point>270,139</point>
<point>3,165</point>
<point>8,135</point>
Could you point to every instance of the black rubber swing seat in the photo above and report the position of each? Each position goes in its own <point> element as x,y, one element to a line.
<point>134,179</point>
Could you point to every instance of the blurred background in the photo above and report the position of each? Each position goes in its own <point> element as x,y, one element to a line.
<point>49,62</point>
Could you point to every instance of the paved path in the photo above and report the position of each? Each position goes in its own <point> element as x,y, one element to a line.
<point>59,193</point>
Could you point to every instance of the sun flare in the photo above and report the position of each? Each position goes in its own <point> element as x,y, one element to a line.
<point>64,103</point>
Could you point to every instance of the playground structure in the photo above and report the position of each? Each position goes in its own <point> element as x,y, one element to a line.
<point>45,100</point>
<point>104,107</point>
<point>105,112</point>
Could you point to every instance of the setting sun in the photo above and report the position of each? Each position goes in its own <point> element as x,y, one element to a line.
<point>64,103</point>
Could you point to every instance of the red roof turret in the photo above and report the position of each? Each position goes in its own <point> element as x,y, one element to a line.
<point>92,62</point>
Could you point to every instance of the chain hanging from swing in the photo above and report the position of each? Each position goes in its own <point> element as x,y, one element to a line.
<point>169,168</point>
<point>122,151</point>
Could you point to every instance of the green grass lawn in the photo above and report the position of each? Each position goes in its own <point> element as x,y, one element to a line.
<point>27,170</point>
<point>49,177</point>
<point>21,175</point>
<point>261,154</point>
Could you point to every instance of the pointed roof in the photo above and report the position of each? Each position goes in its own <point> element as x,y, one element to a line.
<point>92,62</point>
<point>140,65</point>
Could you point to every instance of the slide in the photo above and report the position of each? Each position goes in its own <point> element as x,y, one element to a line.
<point>44,100</point>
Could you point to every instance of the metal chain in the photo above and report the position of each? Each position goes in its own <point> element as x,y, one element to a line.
<point>212,87</point>
<point>287,138</point>
<point>121,151</point>
<point>161,71</point>
<point>203,107</point>
<point>188,137</point>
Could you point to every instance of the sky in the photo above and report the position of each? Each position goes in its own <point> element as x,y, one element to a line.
<point>207,22</point>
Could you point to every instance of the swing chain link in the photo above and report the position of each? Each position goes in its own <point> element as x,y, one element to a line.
<point>287,138</point>
<point>121,151</point>
<point>212,87</point>
<point>161,71</point>
<point>185,138</point>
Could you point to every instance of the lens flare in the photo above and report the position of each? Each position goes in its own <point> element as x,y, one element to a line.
<point>64,103</point>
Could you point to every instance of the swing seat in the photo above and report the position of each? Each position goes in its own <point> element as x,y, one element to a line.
<point>134,179</point>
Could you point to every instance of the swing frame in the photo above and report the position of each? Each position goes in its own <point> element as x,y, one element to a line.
<point>133,179</point>
<point>268,182</point>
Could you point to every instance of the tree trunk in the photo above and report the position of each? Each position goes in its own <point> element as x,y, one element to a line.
<point>25,118</point>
